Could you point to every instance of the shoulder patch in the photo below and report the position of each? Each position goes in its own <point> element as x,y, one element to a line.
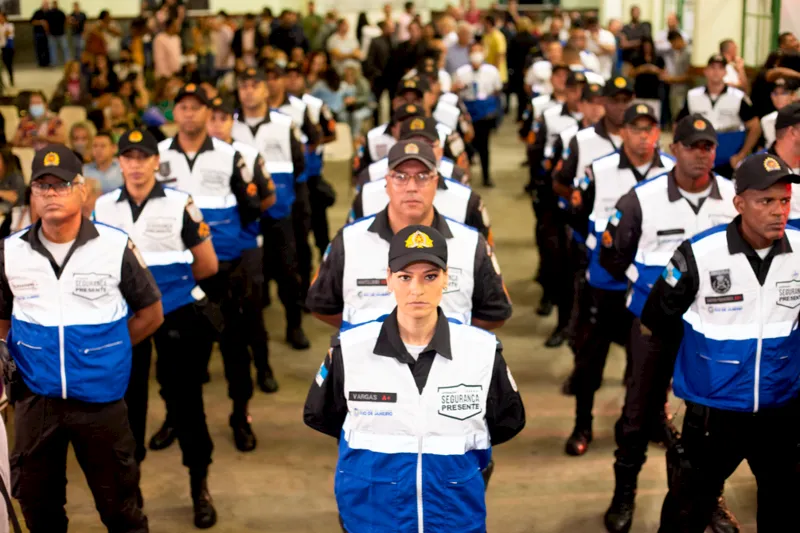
<point>132,247</point>
<point>194,212</point>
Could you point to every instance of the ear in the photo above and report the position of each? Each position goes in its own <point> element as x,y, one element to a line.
<point>738,203</point>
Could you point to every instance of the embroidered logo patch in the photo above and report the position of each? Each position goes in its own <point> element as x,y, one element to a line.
<point>460,402</point>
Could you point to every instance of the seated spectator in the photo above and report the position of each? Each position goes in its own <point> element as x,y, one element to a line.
<point>164,95</point>
<point>73,89</point>
<point>328,88</point>
<point>80,140</point>
<point>104,80</point>
<point>298,55</point>
<point>104,167</point>
<point>190,72</point>
<point>39,127</point>
<point>12,184</point>
<point>120,118</point>
<point>317,64</point>
<point>135,93</point>
<point>343,47</point>
<point>357,96</point>
<point>94,190</point>
<point>21,215</point>
<point>648,68</point>
<point>126,65</point>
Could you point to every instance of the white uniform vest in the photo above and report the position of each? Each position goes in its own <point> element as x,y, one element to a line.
<point>768,127</point>
<point>366,255</point>
<point>591,146</point>
<point>379,142</point>
<point>724,114</point>
<point>451,202</point>
<point>555,122</point>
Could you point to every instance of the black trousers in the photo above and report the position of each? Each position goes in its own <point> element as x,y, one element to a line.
<point>603,319</point>
<point>226,290</point>
<point>483,128</point>
<point>319,215</point>
<point>714,443</point>
<point>301,225</point>
<point>42,49</point>
<point>8,61</point>
<point>180,342</point>
<point>652,362</point>
<point>573,283</point>
<point>280,264</point>
<point>257,337</point>
<point>104,447</point>
<point>551,241</point>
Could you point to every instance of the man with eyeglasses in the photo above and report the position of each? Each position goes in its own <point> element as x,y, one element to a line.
<point>75,296</point>
<point>345,293</point>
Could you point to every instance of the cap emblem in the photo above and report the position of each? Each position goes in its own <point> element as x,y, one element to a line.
<point>51,159</point>
<point>411,149</point>
<point>190,88</point>
<point>417,124</point>
<point>217,101</point>
<point>620,83</point>
<point>594,87</point>
<point>411,108</point>
<point>410,84</point>
<point>580,77</point>
<point>135,136</point>
<point>641,108</point>
<point>699,125</point>
<point>419,240</point>
<point>771,164</point>
<point>251,72</point>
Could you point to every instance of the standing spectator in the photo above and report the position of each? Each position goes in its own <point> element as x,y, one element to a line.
<point>204,47</point>
<point>39,126</point>
<point>73,89</point>
<point>57,35</point>
<point>633,33</point>
<point>519,48</point>
<point>473,14</point>
<point>603,44</point>
<point>39,23</point>
<point>403,20</point>
<point>343,48</point>
<point>167,51</point>
<point>222,36</point>
<point>447,29</point>
<point>266,24</point>
<point>663,45</point>
<point>248,42</point>
<point>112,35</point>
<point>328,29</point>
<point>761,90</point>
<point>788,43</point>
<point>104,166</point>
<point>361,23</point>
<point>676,73</point>
<point>735,76</point>
<point>409,53</point>
<point>458,54</point>
<point>377,65</point>
<point>288,34</point>
<point>494,46</point>
<point>7,43</point>
<point>578,40</point>
<point>312,25</point>
<point>77,23</point>
<point>648,69</point>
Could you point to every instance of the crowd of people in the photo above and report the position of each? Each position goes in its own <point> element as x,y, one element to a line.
<point>127,237</point>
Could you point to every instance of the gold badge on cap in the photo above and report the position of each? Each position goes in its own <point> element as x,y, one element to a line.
<point>217,101</point>
<point>190,88</point>
<point>419,240</point>
<point>411,148</point>
<point>51,159</point>
<point>594,87</point>
<point>410,83</point>
<point>411,108</point>
<point>135,136</point>
<point>251,72</point>
<point>641,108</point>
<point>580,77</point>
<point>699,125</point>
<point>417,124</point>
<point>620,82</point>
<point>771,164</point>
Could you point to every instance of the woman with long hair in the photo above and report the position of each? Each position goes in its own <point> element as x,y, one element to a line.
<point>72,89</point>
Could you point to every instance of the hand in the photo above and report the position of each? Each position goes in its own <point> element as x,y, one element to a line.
<point>738,63</point>
<point>349,100</point>
<point>736,159</point>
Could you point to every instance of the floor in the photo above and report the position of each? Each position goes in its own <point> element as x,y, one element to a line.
<point>286,484</point>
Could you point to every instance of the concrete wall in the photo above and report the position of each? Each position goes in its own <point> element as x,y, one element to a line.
<point>714,21</point>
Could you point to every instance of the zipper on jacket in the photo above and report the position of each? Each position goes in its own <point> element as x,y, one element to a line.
<point>420,523</point>
<point>61,355</point>
<point>20,343</point>
<point>759,343</point>
<point>103,347</point>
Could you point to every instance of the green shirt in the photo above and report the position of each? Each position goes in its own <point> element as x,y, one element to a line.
<point>311,26</point>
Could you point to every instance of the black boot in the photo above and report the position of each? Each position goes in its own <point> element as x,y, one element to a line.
<point>722,520</point>
<point>556,339</point>
<point>164,437</point>
<point>205,516</point>
<point>545,307</point>
<point>568,388</point>
<point>578,442</point>
<point>619,516</point>
<point>243,435</point>
<point>266,380</point>
<point>296,337</point>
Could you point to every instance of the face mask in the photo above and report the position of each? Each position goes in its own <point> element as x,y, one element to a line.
<point>79,147</point>
<point>281,63</point>
<point>476,58</point>
<point>36,110</point>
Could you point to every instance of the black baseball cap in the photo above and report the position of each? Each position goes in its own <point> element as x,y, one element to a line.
<point>56,160</point>
<point>591,90</point>
<point>636,111</point>
<point>192,89</point>
<point>138,140</point>
<point>250,73</point>
<point>412,150</point>
<point>719,59</point>
<point>761,171</point>
<point>222,104</point>
<point>418,85</point>
<point>424,127</point>
<point>788,116</point>
<point>271,67</point>
<point>617,85</point>
<point>575,78</point>
<point>417,244</point>
<point>695,128</point>
<point>406,111</point>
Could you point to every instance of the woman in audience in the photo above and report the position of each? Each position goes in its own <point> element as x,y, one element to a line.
<point>646,74</point>
<point>12,185</point>
<point>104,80</point>
<point>73,89</point>
<point>317,64</point>
<point>357,98</point>
<point>80,140</point>
<point>38,126</point>
<point>328,88</point>
<point>119,117</point>
<point>133,90</point>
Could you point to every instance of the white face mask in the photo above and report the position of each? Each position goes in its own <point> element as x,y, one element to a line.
<point>476,58</point>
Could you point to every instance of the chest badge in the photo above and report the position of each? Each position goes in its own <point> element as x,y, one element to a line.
<point>720,281</point>
<point>460,402</point>
<point>164,169</point>
<point>789,293</point>
<point>91,286</point>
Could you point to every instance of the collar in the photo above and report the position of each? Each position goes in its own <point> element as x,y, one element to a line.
<point>389,343</point>
<point>674,193</point>
<point>624,162</point>
<point>600,129</point>
<point>239,116</point>
<point>382,227</point>
<point>724,90</point>
<point>565,112</point>
<point>156,192</point>
<point>737,244</point>
<point>207,146</point>
<point>86,233</point>
<point>442,182</point>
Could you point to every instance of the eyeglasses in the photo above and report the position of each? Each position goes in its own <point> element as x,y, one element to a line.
<point>60,189</point>
<point>423,179</point>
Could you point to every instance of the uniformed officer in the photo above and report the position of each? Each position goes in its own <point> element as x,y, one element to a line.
<point>280,145</point>
<point>787,147</point>
<point>783,94</point>
<point>730,111</point>
<point>220,125</point>
<point>347,292</point>
<point>730,292</point>
<point>74,297</point>
<point>311,135</point>
<point>602,316</point>
<point>415,398</point>
<point>216,176</point>
<point>175,243</point>
<point>453,200</point>
<point>542,102</point>
<point>655,216</point>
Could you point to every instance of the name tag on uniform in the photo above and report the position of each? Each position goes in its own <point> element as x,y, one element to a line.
<point>371,282</point>
<point>460,402</point>
<point>380,397</point>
